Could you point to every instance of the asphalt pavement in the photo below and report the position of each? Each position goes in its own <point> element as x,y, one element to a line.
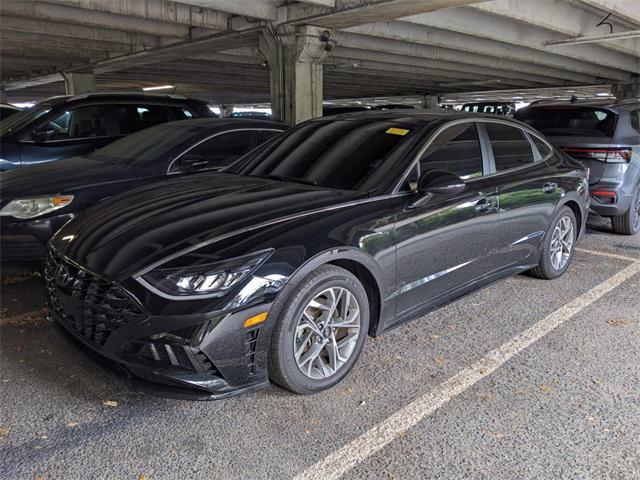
<point>525,379</point>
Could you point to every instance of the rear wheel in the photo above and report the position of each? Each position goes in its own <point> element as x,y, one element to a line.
<point>628,223</point>
<point>558,247</point>
<point>320,332</point>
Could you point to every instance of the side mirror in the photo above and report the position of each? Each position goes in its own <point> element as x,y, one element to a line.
<point>440,182</point>
<point>43,135</point>
<point>192,162</point>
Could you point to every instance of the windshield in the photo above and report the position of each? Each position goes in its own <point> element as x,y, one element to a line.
<point>570,120</point>
<point>350,154</point>
<point>23,118</point>
<point>148,145</point>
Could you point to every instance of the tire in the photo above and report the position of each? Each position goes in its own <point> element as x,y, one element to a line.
<point>291,330</point>
<point>628,223</point>
<point>548,268</point>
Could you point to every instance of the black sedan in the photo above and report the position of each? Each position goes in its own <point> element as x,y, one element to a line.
<point>279,267</point>
<point>36,202</point>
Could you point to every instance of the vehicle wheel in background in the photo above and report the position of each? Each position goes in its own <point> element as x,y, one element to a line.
<point>629,222</point>
<point>320,332</point>
<point>559,245</point>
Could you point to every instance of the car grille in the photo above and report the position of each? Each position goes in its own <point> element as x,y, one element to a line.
<point>92,306</point>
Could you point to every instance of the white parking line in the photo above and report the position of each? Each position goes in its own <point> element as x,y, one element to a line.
<point>607,254</point>
<point>373,440</point>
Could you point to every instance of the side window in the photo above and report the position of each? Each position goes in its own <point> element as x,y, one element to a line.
<point>456,150</point>
<point>217,152</point>
<point>132,118</point>
<point>180,113</point>
<point>543,148</point>
<point>82,122</point>
<point>511,149</point>
<point>635,120</point>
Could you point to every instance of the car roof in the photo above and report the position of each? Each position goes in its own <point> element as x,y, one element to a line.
<point>594,103</point>
<point>209,123</point>
<point>415,116</point>
<point>115,96</point>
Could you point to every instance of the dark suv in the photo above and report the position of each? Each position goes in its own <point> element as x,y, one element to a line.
<point>604,136</point>
<point>63,127</point>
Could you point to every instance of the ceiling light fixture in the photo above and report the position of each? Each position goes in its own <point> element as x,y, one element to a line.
<point>159,87</point>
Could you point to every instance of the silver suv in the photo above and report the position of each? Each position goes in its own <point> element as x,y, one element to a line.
<point>604,136</point>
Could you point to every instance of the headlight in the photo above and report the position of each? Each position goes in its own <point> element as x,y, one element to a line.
<point>211,280</point>
<point>24,208</point>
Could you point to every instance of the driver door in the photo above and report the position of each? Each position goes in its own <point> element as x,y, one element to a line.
<point>446,243</point>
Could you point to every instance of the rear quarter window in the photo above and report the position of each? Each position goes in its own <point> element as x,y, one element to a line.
<point>635,120</point>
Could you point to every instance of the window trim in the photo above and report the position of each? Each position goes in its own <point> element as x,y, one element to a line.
<point>534,149</point>
<point>485,144</point>
<point>206,139</point>
<point>432,138</point>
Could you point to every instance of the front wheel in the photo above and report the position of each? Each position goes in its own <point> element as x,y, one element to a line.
<point>558,246</point>
<point>320,332</point>
<point>628,223</point>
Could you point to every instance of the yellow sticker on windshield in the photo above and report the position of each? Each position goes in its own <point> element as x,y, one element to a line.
<point>397,131</point>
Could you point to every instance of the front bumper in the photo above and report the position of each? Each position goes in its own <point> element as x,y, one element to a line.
<point>199,357</point>
<point>163,381</point>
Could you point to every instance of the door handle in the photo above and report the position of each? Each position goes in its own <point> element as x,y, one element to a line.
<point>549,187</point>
<point>484,205</point>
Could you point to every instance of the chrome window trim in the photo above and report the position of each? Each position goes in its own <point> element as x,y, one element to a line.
<point>525,129</point>
<point>206,139</point>
<point>551,149</point>
<point>425,147</point>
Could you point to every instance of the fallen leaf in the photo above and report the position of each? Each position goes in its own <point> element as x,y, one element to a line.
<point>4,431</point>
<point>142,477</point>
<point>439,360</point>
<point>72,424</point>
<point>544,388</point>
<point>619,322</point>
<point>110,403</point>
<point>37,447</point>
<point>39,477</point>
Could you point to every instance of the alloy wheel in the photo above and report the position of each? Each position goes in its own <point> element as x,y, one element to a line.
<point>562,243</point>
<point>326,333</point>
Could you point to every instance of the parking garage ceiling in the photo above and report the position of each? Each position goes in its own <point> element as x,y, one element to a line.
<point>210,49</point>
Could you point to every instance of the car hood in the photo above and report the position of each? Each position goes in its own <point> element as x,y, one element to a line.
<point>130,232</point>
<point>62,176</point>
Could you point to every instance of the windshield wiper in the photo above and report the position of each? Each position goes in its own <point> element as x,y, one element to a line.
<point>285,178</point>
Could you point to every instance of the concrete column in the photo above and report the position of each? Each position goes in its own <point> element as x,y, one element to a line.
<point>295,56</point>
<point>226,110</point>
<point>627,90</point>
<point>430,102</point>
<point>79,83</point>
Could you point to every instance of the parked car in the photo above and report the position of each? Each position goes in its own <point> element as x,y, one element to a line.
<point>337,110</point>
<point>35,202</point>
<point>7,110</point>
<point>506,109</point>
<point>280,265</point>
<point>253,115</point>
<point>63,127</point>
<point>605,137</point>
